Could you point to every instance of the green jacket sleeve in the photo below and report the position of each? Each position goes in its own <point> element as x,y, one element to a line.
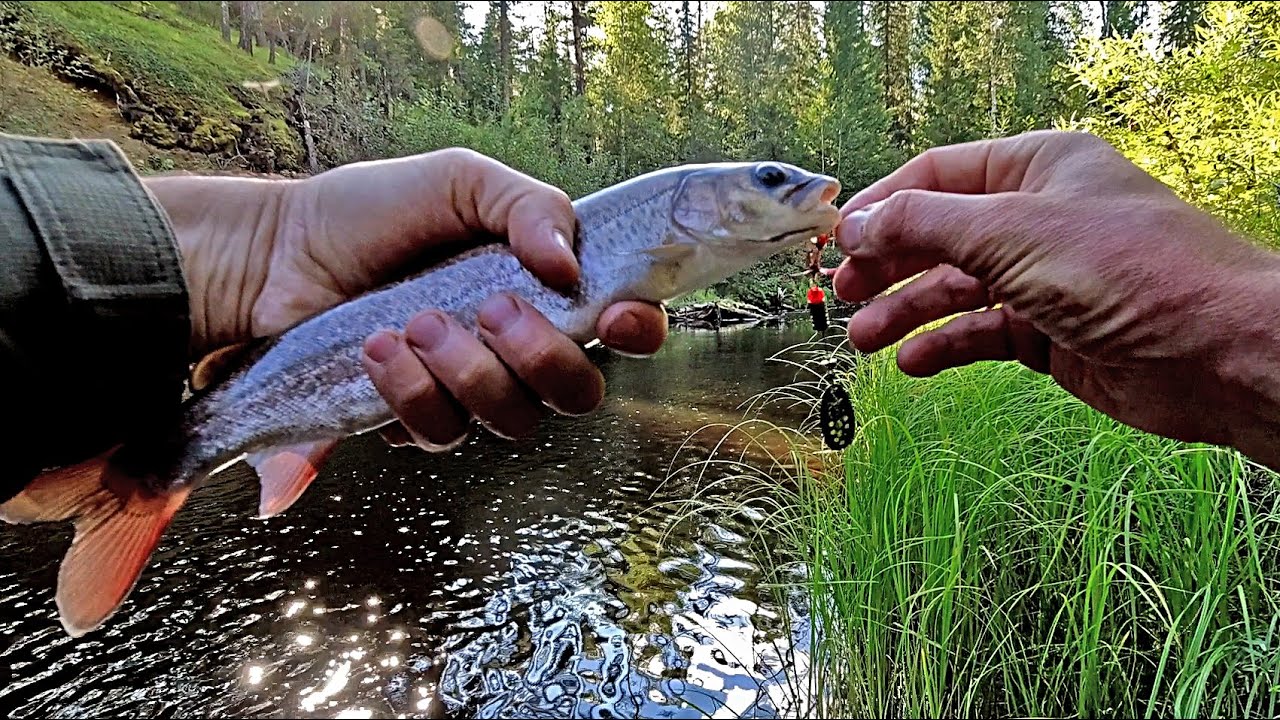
<point>94,314</point>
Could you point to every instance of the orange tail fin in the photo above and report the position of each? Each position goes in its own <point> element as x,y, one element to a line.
<point>118,523</point>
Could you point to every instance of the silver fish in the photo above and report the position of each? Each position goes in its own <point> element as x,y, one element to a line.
<point>295,396</point>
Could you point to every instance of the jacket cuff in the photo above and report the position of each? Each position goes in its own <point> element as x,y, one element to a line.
<point>113,249</point>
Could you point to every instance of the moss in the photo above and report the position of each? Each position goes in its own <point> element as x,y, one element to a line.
<point>157,133</point>
<point>213,136</point>
<point>284,140</point>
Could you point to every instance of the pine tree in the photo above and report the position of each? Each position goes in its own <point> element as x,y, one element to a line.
<point>632,90</point>
<point>1181,21</point>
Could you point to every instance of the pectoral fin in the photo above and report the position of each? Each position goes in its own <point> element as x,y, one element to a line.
<point>670,252</point>
<point>217,365</point>
<point>286,472</point>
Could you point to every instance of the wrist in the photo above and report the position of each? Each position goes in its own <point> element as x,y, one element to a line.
<point>225,229</point>
<point>1249,367</point>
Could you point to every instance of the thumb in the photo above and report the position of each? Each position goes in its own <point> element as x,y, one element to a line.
<point>541,227</point>
<point>913,230</point>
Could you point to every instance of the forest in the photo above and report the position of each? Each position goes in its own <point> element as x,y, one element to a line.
<point>583,94</point>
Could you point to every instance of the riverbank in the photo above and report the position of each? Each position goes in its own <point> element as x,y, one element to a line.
<point>991,546</point>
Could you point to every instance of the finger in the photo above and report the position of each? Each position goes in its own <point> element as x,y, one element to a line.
<point>940,292</point>
<point>549,363</point>
<point>537,218</point>
<point>395,435</point>
<point>381,215</point>
<point>430,417</point>
<point>980,166</point>
<point>473,375</point>
<point>974,337</point>
<point>633,328</point>
<point>914,230</point>
<point>541,227</point>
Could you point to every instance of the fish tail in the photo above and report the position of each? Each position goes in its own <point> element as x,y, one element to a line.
<point>118,520</point>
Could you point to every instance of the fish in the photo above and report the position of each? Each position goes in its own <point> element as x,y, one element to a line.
<point>283,404</point>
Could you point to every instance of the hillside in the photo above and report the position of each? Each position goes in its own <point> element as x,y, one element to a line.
<point>168,89</point>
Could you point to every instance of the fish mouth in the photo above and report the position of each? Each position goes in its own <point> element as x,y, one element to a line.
<point>795,234</point>
<point>813,193</point>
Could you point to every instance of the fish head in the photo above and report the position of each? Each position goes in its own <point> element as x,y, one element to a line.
<point>763,206</point>
<point>726,217</point>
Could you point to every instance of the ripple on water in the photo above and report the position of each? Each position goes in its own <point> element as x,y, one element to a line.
<point>532,579</point>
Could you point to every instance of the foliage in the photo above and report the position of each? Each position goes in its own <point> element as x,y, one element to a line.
<point>1202,118</point>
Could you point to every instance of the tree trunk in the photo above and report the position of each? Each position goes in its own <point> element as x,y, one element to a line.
<point>504,52</point>
<point>259,27</point>
<point>308,141</point>
<point>226,20</point>
<point>579,62</point>
<point>246,26</point>
<point>271,48</point>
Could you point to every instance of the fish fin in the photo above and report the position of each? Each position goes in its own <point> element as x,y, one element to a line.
<point>670,252</point>
<point>118,523</point>
<point>286,472</point>
<point>217,365</point>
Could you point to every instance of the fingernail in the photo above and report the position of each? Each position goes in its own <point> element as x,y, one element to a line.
<point>498,313</point>
<point>559,238</point>
<point>850,231</point>
<point>380,346</point>
<point>426,331</point>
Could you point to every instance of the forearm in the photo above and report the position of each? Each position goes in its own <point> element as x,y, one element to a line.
<point>224,228</point>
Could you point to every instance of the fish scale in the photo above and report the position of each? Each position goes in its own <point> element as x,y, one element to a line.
<point>293,397</point>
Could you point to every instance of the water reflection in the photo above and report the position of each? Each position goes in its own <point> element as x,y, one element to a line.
<point>533,579</point>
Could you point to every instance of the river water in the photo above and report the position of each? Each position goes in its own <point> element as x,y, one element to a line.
<point>532,579</point>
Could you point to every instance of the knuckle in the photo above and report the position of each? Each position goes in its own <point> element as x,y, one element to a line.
<point>542,357</point>
<point>957,286</point>
<point>463,156</point>
<point>471,377</point>
<point>887,222</point>
<point>559,198</point>
<point>419,391</point>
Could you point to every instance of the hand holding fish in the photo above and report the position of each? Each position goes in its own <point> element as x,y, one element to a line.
<point>308,272</point>
<point>1080,265</point>
<point>261,255</point>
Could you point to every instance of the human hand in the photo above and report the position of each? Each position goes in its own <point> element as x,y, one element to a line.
<point>261,255</point>
<point>1059,253</point>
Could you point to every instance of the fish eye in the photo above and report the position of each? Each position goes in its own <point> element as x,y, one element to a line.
<point>770,175</point>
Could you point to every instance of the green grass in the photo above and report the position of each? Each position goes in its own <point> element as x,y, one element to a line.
<point>991,546</point>
<point>174,56</point>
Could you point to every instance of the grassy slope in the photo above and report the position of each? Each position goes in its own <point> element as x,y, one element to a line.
<point>177,62</point>
<point>992,545</point>
<point>169,52</point>
<point>34,102</point>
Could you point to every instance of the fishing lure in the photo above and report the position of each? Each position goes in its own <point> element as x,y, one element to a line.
<point>817,308</point>
<point>835,412</point>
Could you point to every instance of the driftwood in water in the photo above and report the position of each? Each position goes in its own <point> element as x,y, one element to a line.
<point>720,313</point>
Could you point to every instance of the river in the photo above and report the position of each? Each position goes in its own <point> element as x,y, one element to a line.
<point>504,579</point>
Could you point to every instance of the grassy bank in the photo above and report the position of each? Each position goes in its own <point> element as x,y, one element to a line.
<point>991,546</point>
<point>171,81</point>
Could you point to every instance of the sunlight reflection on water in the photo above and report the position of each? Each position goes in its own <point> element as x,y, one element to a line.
<point>506,579</point>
